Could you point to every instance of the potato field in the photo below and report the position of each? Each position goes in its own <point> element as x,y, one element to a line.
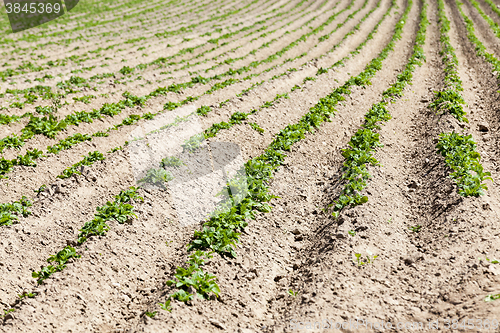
<point>252,166</point>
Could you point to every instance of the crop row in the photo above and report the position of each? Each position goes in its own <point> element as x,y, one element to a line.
<point>364,142</point>
<point>156,176</point>
<point>493,7</point>
<point>61,62</point>
<point>261,169</point>
<point>49,126</point>
<point>458,150</point>
<point>69,86</point>
<point>221,232</point>
<point>253,52</point>
<point>120,210</point>
<point>493,25</point>
<point>88,10</point>
<point>158,9</point>
<point>238,117</point>
<point>126,70</point>
<point>480,48</point>
<point>71,141</point>
<point>75,58</point>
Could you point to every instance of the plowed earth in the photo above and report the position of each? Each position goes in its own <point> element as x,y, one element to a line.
<point>294,265</point>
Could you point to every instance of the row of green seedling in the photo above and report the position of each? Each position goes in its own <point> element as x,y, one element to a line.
<point>172,88</point>
<point>69,142</point>
<point>6,167</point>
<point>120,210</point>
<point>480,48</point>
<point>61,62</point>
<point>238,117</point>
<point>458,150</point>
<point>363,144</point>
<point>31,67</point>
<point>221,232</point>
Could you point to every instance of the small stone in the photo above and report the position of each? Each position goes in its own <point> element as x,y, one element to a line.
<point>413,184</point>
<point>217,323</point>
<point>486,206</point>
<point>483,127</point>
<point>191,290</point>
<point>299,238</point>
<point>59,189</point>
<point>296,231</point>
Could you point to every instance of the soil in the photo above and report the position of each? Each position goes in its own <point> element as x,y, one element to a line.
<point>295,265</point>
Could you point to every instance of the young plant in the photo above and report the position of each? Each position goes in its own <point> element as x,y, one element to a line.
<point>156,177</point>
<point>415,228</point>
<point>369,258</point>
<point>491,298</point>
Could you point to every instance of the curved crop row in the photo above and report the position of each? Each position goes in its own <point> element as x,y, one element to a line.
<point>235,118</point>
<point>493,25</point>
<point>22,69</point>
<point>98,226</point>
<point>238,117</point>
<point>480,48</point>
<point>50,126</point>
<point>362,145</point>
<point>220,233</point>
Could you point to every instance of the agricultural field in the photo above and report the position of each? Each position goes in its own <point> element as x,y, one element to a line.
<point>252,166</point>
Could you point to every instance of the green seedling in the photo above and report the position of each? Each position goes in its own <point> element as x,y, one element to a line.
<point>256,127</point>
<point>415,228</point>
<point>166,306</point>
<point>156,177</point>
<point>171,162</point>
<point>491,298</point>
<point>204,283</point>
<point>352,233</point>
<point>492,261</point>
<point>151,314</point>
<point>369,258</point>
<point>40,189</point>
<point>27,294</point>
<point>292,293</point>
